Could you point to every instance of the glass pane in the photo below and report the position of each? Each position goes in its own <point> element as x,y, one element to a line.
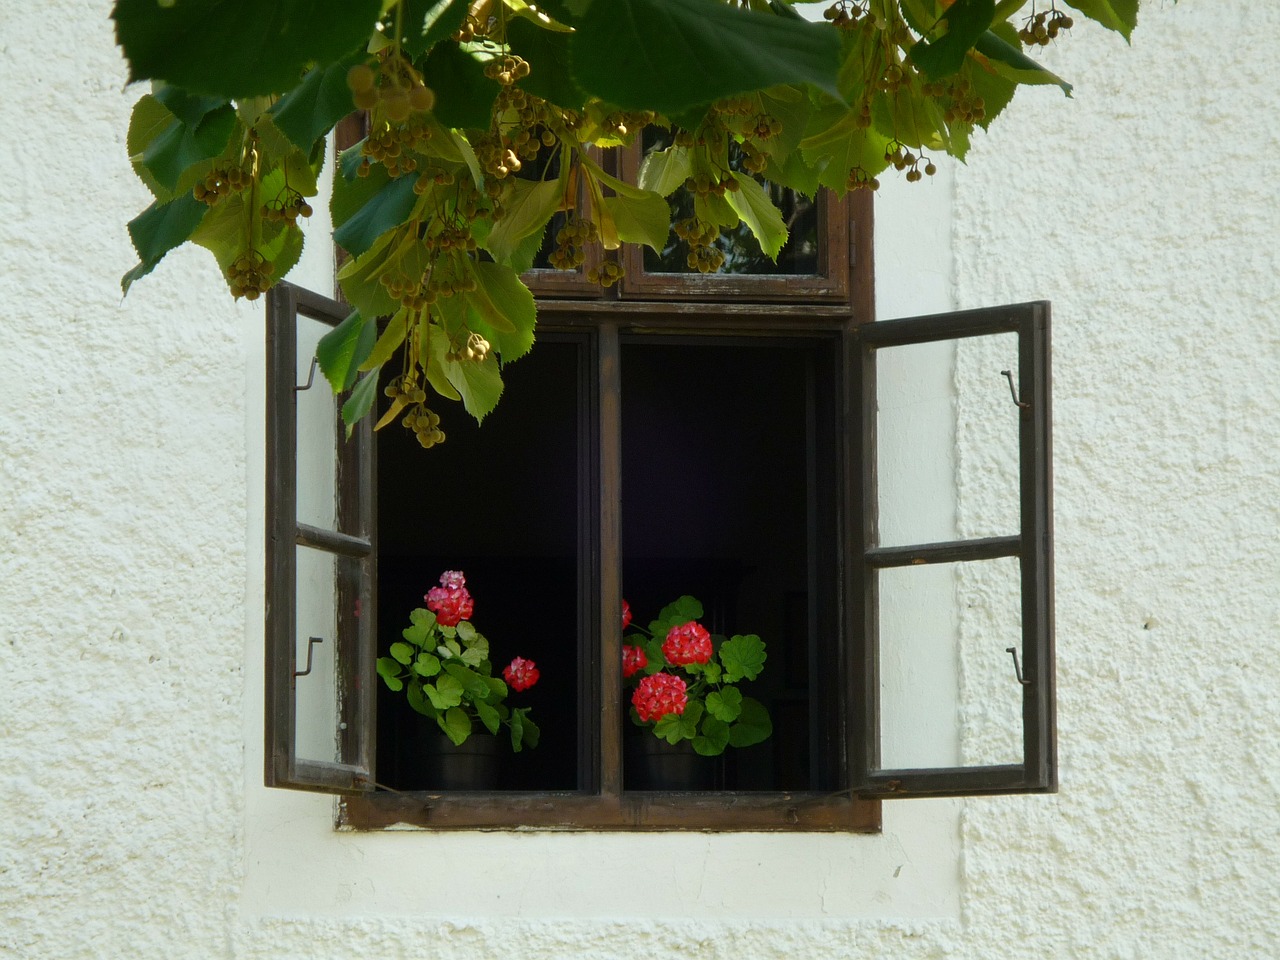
<point>932,400</point>
<point>949,692</point>
<point>741,250</point>
<point>498,501</point>
<point>317,434</point>
<point>718,461</point>
<point>316,709</point>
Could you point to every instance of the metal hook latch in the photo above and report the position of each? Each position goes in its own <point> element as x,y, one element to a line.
<point>1013,391</point>
<point>311,376</point>
<point>1017,667</point>
<point>311,645</point>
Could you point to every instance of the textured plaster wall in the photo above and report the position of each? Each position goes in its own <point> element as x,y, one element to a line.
<point>130,511</point>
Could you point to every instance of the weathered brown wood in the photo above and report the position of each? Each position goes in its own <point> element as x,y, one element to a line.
<point>738,812</point>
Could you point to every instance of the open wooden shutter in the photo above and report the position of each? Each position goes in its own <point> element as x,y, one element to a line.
<point>320,576</point>
<point>966,707</point>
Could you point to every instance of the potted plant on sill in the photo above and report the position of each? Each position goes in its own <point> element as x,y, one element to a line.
<point>685,698</point>
<point>443,667</point>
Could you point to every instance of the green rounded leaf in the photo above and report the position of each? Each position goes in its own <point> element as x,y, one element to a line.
<point>753,724</point>
<point>456,724</point>
<point>712,739</point>
<point>402,653</point>
<point>742,657</point>
<point>725,704</point>
<point>237,48</point>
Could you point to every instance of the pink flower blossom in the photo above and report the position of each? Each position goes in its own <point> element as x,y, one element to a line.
<point>660,695</point>
<point>687,643</point>
<point>520,674</point>
<point>450,601</point>
<point>626,614</point>
<point>633,659</point>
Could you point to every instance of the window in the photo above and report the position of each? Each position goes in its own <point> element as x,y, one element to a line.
<point>735,447</point>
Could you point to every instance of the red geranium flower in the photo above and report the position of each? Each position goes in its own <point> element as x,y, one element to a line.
<point>520,674</point>
<point>660,695</point>
<point>626,614</point>
<point>450,601</point>
<point>633,659</point>
<point>687,643</point>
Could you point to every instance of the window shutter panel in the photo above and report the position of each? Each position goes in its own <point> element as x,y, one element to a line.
<point>320,571</point>
<point>1027,653</point>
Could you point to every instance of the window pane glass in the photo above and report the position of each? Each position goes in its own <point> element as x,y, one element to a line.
<point>926,394</point>
<point>742,253</point>
<point>718,460</point>
<point>317,434</point>
<point>949,692</point>
<point>499,502</point>
<point>324,583</point>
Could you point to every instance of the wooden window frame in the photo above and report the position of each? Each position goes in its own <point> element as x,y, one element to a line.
<point>600,802</point>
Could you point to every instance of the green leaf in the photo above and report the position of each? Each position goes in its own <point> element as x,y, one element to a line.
<point>402,653</point>
<point>464,95</point>
<point>743,657</point>
<point>359,279</point>
<point>1009,60</point>
<point>344,348</point>
<point>456,725</point>
<point>712,739</point>
<point>389,340</point>
<point>466,631</point>
<point>389,671</point>
<point>186,142</point>
<point>422,617</point>
<point>237,48</point>
<point>477,653</point>
<point>425,22</point>
<point>1118,15</point>
<point>488,716</point>
<point>664,171</point>
<point>473,685</point>
<point>725,703</point>
<point>417,699</point>
<point>436,346</point>
<point>386,209</point>
<point>645,219</point>
<point>669,55</point>
<point>527,209</point>
<point>966,21</point>
<point>506,308</point>
<point>548,54</point>
<point>680,610</point>
<point>427,665</point>
<point>160,228</point>
<point>758,212</point>
<point>753,724</point>
<point>361,400</point>
<point>444,693</point>
<point>309,110</point>
<point>478,384</point>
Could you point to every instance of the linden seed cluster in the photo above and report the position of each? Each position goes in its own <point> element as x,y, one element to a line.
<point>221,182</point>
<point>570,241</point>
<point>1043,27</point>
<point>507,69</point>
<point>859,179</point>
<point>249,275</point>
<point>964,104</point>
<point>703,185</point>
<point>398,102</point>
<point>704,255</point>
<point>476,350</point>
<point>903,159</point>
<point>287,207</point>
<point>607,274</point>
<point>422,421</point>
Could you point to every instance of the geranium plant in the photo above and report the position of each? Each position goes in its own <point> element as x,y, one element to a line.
<point>443,666</point>
<point>686,681</point>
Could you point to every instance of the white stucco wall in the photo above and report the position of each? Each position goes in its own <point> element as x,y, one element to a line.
<point>134,823</point>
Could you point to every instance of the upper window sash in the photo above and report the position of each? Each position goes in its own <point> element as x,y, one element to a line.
<point>1029,406</point>
<point>320,736</point>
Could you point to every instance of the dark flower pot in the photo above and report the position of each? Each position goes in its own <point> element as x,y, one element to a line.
<point>472,766</point>
<point>649,763</point>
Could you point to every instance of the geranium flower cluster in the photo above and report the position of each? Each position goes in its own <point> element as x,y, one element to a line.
<point>520,674</point>
<point>450,602</point>
<point>687,643</point>
<point>660,695</point>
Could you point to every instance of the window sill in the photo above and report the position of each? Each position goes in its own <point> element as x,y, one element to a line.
<point>721,812</point>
